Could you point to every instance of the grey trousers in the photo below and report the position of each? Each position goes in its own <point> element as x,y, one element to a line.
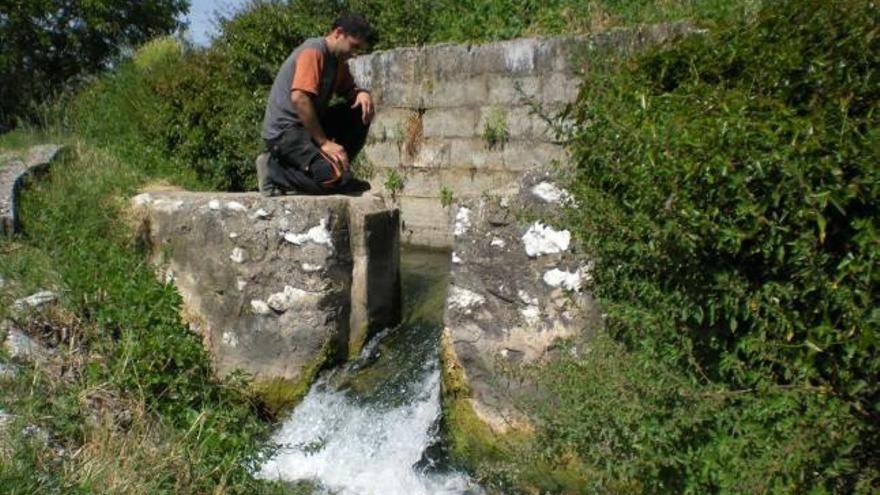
<point>297,163</point>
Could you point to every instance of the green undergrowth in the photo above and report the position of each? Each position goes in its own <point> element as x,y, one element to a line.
<point>728,191</point>
<point>128,402</point>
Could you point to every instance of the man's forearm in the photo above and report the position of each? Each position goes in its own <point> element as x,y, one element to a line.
<point>305,109</point>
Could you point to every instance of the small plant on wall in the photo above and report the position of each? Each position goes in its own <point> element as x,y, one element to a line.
<point>446,197</point>
<point>495,132</point>
<point>394,183</point>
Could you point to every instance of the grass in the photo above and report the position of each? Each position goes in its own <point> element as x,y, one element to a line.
<point>128,402</point>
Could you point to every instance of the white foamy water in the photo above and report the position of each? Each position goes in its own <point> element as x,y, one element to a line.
<point>358,449</point>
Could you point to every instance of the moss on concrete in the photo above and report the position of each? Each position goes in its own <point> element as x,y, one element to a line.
<point>470,441</point>
<point>357,341</point>
<point>280,395</point>
<point>475,446</point>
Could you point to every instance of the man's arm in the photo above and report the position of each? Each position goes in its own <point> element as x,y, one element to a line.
<point>305,109</point>
<point>357,96</point>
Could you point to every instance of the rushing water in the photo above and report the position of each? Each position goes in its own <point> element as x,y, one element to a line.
<point>371,426</point>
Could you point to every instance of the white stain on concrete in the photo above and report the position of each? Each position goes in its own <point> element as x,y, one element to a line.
<point>166,205</point>
<point>289,298</point>
<point>462,221</point>
<point>551,193</point>
<point>308,267</point>
<point>541,239</point>
<point>526,298</point>
<point>260,307</point>
<point>214,204</point>
<point>498,242</point>
<point>455,259</point>
<point>142,199</point>
<point>235,206</point>
<point>532,314</point>
<point>230,339</point>
<point>319,234</point>
<point>464,300</point>
<point>238,255</point>
<point>564,279</point>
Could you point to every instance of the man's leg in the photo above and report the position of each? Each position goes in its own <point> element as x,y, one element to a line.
<point>344,125</point>
<point>292,156</point>
<point>298,165</point>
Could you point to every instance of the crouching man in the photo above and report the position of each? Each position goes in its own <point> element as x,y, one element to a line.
<point>310,143</point>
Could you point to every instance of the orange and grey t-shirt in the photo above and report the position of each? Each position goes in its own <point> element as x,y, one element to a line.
<point>310,68</point>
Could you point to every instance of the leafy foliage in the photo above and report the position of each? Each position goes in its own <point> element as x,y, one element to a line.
<point>132,351</point>
<point>732,185</point>
<point>47,44</point>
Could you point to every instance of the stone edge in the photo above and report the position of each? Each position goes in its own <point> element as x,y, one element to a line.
<point>40,158</point>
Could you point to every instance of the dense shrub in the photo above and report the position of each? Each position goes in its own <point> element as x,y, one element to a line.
<point>730,194</point>
<point>51,44</point>
<point>131,350</point>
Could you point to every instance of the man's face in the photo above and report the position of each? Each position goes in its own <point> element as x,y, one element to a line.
<point>350,45</point>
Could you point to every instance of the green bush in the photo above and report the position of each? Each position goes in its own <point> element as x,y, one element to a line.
<point>138,351</point>
<point>51,45</point>
<point>730,192</point>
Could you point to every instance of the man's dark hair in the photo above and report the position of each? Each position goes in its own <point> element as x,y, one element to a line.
<point>356,25</point>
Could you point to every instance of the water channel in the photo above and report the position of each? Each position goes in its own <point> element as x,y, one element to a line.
<point>372,425</point>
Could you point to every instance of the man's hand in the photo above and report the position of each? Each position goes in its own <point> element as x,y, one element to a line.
<point>336,153</point>
<point>365,101</point>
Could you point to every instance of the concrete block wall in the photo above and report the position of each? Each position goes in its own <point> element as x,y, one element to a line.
<point>435,104</point>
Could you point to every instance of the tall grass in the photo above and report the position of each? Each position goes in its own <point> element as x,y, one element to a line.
<point>130,394</point>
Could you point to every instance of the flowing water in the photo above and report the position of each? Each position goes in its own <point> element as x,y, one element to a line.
<point>371,426</point>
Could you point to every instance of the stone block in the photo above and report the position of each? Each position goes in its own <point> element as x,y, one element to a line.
<point>15,172</point>
<point>389,123</point>
<point>560,88</point>
<point>422,182</point>
<point>428,183</point>
<point>464,92</point>
<point>505,90</point>
<point>448,62</point>
<point>562,54</point>
<point>475,154</point>
<point>424,222</point>
<point>449,122</point>
<point>470,185</point>
<point>383,154</point>
<point>516,58</point>
<point>431,153</point>
<point>398,94</point>
<point>269,283</point>
<point>528,155</point>
<point>520,122</point>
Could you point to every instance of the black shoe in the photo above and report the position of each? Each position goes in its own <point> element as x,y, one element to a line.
<point>355,186</point>
<point>267,188</point>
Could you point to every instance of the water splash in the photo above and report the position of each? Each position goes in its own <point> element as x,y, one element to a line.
<point>350,448</point>
<point>365,428</point>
